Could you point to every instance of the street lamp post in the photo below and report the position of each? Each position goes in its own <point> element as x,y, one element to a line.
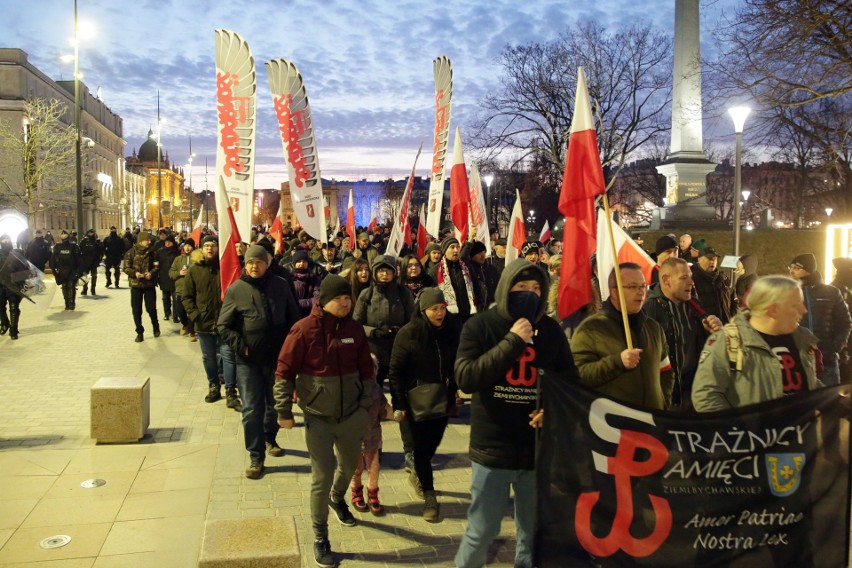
<point>191,190</point>
<point>739,115</point>
<point>488,179</point>
<point>78,156</point>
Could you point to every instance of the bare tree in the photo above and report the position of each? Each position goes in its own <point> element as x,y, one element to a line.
<point>37,158</point>
<point>629,80</point>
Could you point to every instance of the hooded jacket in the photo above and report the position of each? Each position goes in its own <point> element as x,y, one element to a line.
<point>827,317</point>
<point>202,292</point>
<point>141,260</point>
<point>502,373</point>
<point>327,362</point>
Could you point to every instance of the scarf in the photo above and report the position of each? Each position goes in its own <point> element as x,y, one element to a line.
<point>445,284</point>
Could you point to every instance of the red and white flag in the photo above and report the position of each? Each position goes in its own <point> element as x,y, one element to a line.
<point>422,234</point>
<point>628,251</point>
<point>290,99</point>
<point>236,85</point>
<point>276,231</point>
<point>336,229</point>
<point>350,221</point>
<point>443,71</point>
<point>195,235</point>
<point>229,238</point>
<point>401,232</point>
<point>459,192</point>
<point>517,234</point>
<point>374,224</point>
<point>478,211</point>
<point>545,233</point>
<point>582,182</point>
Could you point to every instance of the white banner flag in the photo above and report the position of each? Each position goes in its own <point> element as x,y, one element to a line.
<point>443,71</point>
<point>402,225</point>
<point>478,212</point>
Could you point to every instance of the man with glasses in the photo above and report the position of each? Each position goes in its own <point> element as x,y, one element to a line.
<point>641,375</point>
<point>827,316</point>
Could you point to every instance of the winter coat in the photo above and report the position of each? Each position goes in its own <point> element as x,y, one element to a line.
<point>91,253</point>
<point>306,284</point>
<point>713,293</point>
<point>423,354</point>
<point>140,260</point>
<point>327,362</point>
<point>718,387</point>
<point>256,316</point>
<point>166,257</point>
<point>65,262</point>
<point>597,345</point>
<point>383,309</point>
<point>181,261</point>
<point>114,248</point>
<point>38,252</point>
<point>827,317</point>
<point>502,372</point>
<point>202,292</point>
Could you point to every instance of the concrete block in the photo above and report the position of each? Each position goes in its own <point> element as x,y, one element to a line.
<point>250,543</point>
<point>121,409</point>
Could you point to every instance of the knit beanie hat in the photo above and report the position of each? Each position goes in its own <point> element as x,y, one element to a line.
<point>807,261</point>
<point>428,297</point>
<point>257,252</point>
<point>333,286</point>
<point>665,243</point>
<point>476,248</point>
<point>143,236</point>
<point>529,247</point>
<point>300,255</point>
<point>446,243</point>
<point>432,246</point>
<point>209,239</point>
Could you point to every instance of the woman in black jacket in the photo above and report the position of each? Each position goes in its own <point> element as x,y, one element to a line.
<point>424,352</point>
<point>412,275</point>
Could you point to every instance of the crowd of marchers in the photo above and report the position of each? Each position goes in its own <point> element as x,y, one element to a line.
<point>336,328</point>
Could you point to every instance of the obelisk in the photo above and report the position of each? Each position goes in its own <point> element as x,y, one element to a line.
<point>686,167</point>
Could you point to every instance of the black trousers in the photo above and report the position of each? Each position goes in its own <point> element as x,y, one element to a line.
<point>93,278</point>
<point>427,437</point>
<point>69,292</point>
<point>116,268</point>
<point>182,316</point>
<point>149,295</point>
<point>168,296</point>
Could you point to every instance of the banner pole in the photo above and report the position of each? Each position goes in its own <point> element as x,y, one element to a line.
<point>624,319</point>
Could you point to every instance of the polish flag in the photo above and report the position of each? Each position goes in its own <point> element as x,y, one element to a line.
<point>336,228</point>
<point>276,231</point>
<point>196,229</point>
<point>628,251</point>
<point>229,238</point>
<point>517,235</point>
<point>350,221</point>
<point>545,233</point>
<point>422,235</point>
<point>582,182</point>
<point>478,211</point>
<point>459,192</point>
<point>374,224</point>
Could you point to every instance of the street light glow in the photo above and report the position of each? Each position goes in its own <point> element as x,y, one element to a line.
<point>739,115</point>
<point>746,194</point>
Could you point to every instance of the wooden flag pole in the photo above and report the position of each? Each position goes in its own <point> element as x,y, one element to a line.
<point>624,319</point>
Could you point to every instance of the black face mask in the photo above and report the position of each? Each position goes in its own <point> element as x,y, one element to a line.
<point>524,304</point>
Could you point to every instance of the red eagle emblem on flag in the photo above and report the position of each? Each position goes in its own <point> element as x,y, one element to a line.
<point>234,203</point>
<point>432,206</point>
<point>310,209</point>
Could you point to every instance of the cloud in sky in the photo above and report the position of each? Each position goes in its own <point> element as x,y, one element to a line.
<point>367,65</point>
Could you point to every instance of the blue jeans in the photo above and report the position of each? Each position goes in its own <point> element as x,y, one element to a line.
<point>489,494</point>
<point>210,355</point>
<point>229,365</point>
<point>260,421</point>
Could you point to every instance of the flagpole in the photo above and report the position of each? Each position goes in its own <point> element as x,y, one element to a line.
<point>621,301</point>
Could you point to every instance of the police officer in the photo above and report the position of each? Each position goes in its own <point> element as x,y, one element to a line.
<point>114,249</point>
<point>65,265</point>
<point>91,252</point>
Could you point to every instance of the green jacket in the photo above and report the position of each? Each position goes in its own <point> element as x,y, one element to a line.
<point>717,386</point>
<point>202,292</point>
<point>174,271</point>
<point>597,345</point>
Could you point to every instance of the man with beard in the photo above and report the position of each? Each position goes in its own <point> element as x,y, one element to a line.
<point>712,290</point>
<point>114,249</point>
<point>91,252</point>
<point>363,248</point>
<point>65,265</point>
<point>140,269</point>
<point>38,251</point>
<point>456,280</point>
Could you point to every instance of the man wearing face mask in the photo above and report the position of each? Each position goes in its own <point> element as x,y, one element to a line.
<point>502,354</point>
<point>641,375</point>
<point>114,249</point>
<point>65,265</point>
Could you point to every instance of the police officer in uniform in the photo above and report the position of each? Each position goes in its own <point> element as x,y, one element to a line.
<point>91,251</point>
<point>66,265</point>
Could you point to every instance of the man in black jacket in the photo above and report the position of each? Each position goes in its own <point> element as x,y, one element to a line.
<point>114,249</point>
<point>91,252</point>
<point>65,265</point>
<point>503,353</point>
<point>38,251</point>
<point>455,278</point>
<point>827,316</point>
<point>257,313</point>
<point>485,272</point>
<point>712,290</point>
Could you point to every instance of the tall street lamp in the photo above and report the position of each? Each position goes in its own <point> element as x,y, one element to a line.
<point>191,189</point>
<point>738,114</point>
<point>488,179</point>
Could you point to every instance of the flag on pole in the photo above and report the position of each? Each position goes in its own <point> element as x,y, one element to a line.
<point>545,233</point>
<point>229,238</point>
<point>478,212</point>
<point>374,224</point>
<point>401,232</point>
<point>277,228</point>
<point>336,229</point>
<point>235,152</point>
<point>628,251</point>
<point>196,229</point>
<point>350,221</point>
<point>517,235</point>
<point>290,99</point>
<point>459,192</point>
<point>422,234</point>
<point>443,71</point>
<point>582,182</point>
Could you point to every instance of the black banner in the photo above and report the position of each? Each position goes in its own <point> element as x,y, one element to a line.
<point>762,486</point>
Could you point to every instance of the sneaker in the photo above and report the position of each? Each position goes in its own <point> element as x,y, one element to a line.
<point>139,338</point>
<point>255,470</point>
<point>183,331</point>
<point>431,512</point>
<point>341,509</point>
<point>415,483</point>
<point>408,464</point>
<point>192,338</point>
<point>322,553</point>
<point>274,450</point>
<point>214,393</point>
<point>232,400</point>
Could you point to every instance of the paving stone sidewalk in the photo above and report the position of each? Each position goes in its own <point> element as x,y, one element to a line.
<point>189,468</point>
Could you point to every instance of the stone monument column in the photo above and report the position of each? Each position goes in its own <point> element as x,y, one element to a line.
<point>686,166</point>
